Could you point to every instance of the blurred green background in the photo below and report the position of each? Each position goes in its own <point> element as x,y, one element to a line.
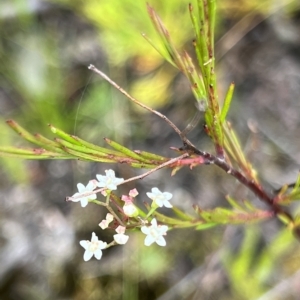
<point>45,48</point>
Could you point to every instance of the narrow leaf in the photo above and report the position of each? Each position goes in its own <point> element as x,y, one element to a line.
<point>24,133</point>
<point>297,184</point>
<point>126,151</point>
<point>182,215</point>
<point>49,144</point>
<point>233,203</point>
<point>173,222</point>
<point>97,148</point>
<point>88,157</point>
<point>79,148</point>
<point>63,135</point>
<point>205,226</point>
<point>227,102</point>
<point>36,153</point>
<point>151,156</point>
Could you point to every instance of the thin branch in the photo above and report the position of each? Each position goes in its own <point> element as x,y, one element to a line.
<point>175,128</point>
<point>250,184</point>
<point>104,76</point>
<point>169,162</point>
<point>105,204</point>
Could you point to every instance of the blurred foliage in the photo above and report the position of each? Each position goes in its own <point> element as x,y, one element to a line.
<point>251,268</point>
<point>238,9</point>
<point>44,51</point>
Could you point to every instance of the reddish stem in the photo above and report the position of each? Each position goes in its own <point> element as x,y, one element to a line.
<point>251,184</point>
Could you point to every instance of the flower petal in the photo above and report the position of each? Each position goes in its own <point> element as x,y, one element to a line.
<point>80,187</point>
<point>94,237</point>
<point>76,197</point>
<point>167,204</point>
<point>84,244</point>
<point>148,240</point>
<point>98,254</point>
<point>102,245</point>
<point>84,202</point>
<point>87,255</point>
<point>154,222</point>
<point>167,195</point>
<point>145,229</point>
<point>161,241</point>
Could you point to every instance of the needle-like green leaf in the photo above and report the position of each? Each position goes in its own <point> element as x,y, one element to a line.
<point>227,102</point>
<point>126,151</point>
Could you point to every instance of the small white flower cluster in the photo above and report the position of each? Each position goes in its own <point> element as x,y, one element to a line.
<point>95,246</point>
<point>109,181</point>
<point>154,233</point>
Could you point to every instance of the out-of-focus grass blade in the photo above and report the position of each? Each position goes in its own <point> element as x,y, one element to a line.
<point>168,58</point>
<point>174,56</point>
<point>297,184</point>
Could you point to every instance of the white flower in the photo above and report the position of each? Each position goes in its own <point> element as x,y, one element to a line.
<point>130,209</point>
<point>109,181</point>
<point>120,237</point>
<point>82,190</point>
<point>93,247</point>
<point>104,223</point>
<point>159,198</point>
<point>155,233</point>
